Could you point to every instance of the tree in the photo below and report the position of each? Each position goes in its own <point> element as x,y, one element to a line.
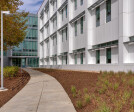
<point>14,24</point>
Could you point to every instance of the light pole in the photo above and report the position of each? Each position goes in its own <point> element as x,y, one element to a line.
<point>2,85</point>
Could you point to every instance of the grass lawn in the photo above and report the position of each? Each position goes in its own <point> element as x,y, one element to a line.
<point>14,85</point>
<point>97,92</point>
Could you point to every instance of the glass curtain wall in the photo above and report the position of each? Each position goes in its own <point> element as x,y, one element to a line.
<point>29,47</point>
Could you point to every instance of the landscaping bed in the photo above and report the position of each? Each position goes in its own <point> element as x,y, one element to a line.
<point>97,92</point>
<point>14,84</point>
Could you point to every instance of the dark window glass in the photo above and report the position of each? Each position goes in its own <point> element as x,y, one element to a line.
<point>81,55</point>
<point>75,28</point>
<point>82,25</point>
<point>97,56</point>
<point>97,16</point>
<point>108,55</point>
<point>75,4</point>
<point>66,11</point>
<point>81,2</point>
<point>108,10</point>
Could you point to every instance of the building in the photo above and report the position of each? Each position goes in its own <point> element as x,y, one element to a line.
<point>26,55</point>
<point>86,34</point>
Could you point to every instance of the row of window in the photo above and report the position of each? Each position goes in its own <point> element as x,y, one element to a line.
<point>24,54</point>
<point>108,13</point>
<point>65,59</point>
<point>54,4</point>
<point>108,56</point>
<point>32,62</point>
<point>31,34</point>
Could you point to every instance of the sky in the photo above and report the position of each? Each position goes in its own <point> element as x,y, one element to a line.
<point>31,6</point>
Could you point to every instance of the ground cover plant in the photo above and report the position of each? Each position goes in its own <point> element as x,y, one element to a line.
<point>14,81</point>
<point>97,92</point>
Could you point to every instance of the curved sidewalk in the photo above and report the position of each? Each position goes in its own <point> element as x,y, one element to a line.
<point>43,93</point>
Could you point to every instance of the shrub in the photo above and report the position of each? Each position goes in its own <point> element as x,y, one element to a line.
<point>115,86</point>
<point>129,72</point>
<point>111,73</point>
<point>74,95</point>
<point>127,95</point>
<point>106,82</point>
<point>131,82</point>
<point>132,103</point>
<point>85,90</point>
<point>103,108</point>
<point>79,93</point>
<point>87,98</point>
<point>103,89</point>
<point>10,71</point>
<point>73,89</point>
<point>79,104</point>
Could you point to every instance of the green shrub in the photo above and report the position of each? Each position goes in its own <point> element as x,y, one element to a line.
<point>111,73</point>
<point>103,108</point>
<point>131,82</point>
<point>132,103</point>
<point>115,86</point>
<point>85,90</point>
<point>79,93</point>
<point>79,104</point>
<point>127,95</point>
<point>87,98</point>
<point>10,71</point>
<point>73,89</point>
<point>129,72</point>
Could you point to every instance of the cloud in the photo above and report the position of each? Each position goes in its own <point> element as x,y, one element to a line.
<point>31,6</point>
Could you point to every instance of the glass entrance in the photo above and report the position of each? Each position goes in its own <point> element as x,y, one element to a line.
<point>23,62</point>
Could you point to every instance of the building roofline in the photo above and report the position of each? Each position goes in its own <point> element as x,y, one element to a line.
<point>41,6</point>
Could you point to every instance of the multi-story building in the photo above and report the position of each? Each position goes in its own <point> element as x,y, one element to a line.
<point>86,34</point>
<point>26,55</point>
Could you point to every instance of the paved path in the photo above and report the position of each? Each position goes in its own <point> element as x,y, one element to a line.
<point>43,93</point>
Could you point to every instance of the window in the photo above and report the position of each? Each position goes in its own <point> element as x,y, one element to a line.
<point>108,55</point>
<point>62,14</point>
<point>97,56</point>
<point>81,2</point>
<point>81,55</point>
<point>108,10</point>
<point>66,32</point>
<point>75,56</point>
<point>97,16</point>
<point>66,11</point>
<point>75,28</point>
<point>66,59</point>
<point>75,4</point>
<point>82,25</point>
<point>62,35</point>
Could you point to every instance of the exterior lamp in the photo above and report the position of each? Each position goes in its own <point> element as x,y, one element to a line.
<point>2,85</point>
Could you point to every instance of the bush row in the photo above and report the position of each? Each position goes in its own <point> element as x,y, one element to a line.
<point>10,71</point>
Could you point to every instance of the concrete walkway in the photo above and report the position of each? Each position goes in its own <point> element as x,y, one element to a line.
<point>43,93</point>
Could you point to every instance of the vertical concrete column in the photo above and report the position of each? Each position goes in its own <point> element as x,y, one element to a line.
<point>123,28</point>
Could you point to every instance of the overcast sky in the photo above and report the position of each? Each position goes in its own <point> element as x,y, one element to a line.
<point>31,5</point>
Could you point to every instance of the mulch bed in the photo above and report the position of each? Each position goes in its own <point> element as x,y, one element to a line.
<point>14,85</point>
<point>93,82</point>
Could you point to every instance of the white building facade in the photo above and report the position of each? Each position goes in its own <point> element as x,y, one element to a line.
<point>86,34</point>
